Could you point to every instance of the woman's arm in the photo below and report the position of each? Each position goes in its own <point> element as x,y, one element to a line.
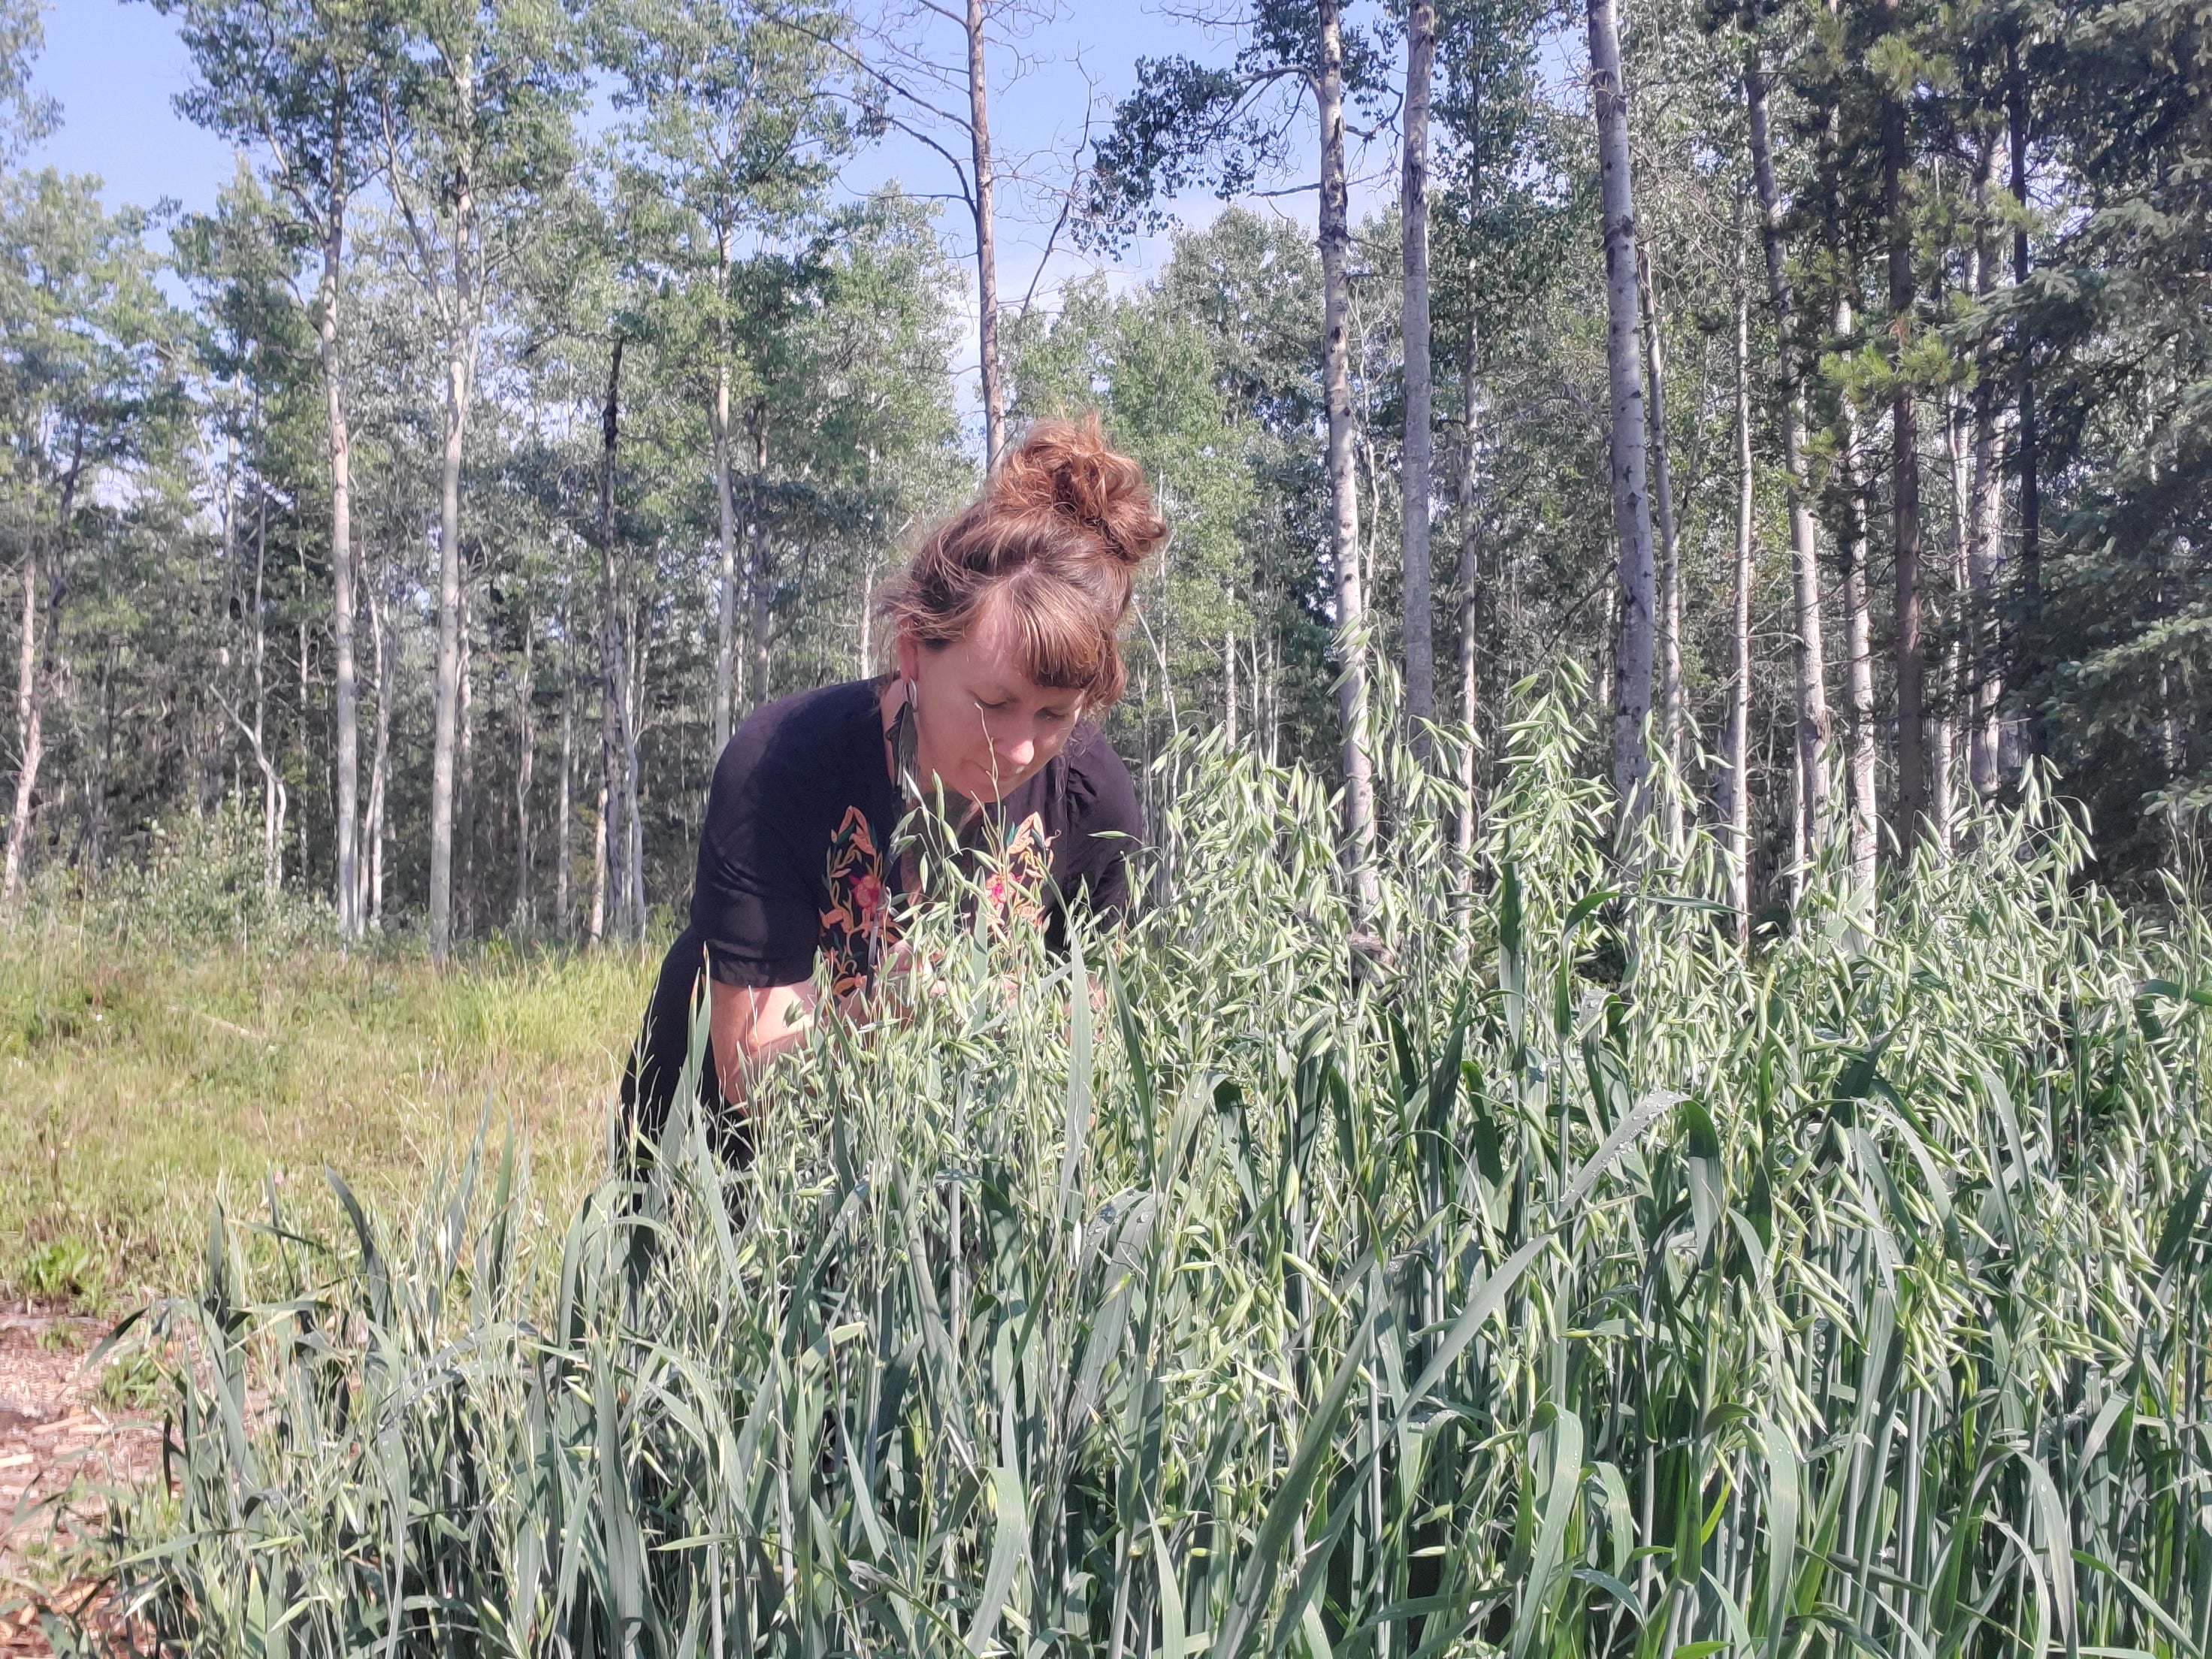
<point>750,1025</point>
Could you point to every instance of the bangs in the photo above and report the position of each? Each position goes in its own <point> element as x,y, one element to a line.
<point>1061,637</point>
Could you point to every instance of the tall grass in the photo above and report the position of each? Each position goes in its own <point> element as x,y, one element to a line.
<point>1568,1283</point>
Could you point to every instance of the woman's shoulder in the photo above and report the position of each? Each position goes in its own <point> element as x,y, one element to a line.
<point>1101,794</point>
<point>786,730</point>
<point>809,741</point>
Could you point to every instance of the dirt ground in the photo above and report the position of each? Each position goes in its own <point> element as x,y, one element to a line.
<point>61,1447</point>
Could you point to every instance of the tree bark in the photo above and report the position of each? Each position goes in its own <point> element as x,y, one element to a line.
<point>759,593</point>
<point>638,657</point>
<point>1608,646</point>
<point>987,257</point>
<point>726,607</point>
<point>1229,690</point>
<point>2031,492</point>
<point>598,926</point>
<point>1420,438</point>
<point>346,713</point>
<point>303,750</point>
<point>615,737</point>
<point>1465,500</point>
<point>459,355</point>
<point>1358,804</point>
<point>1735,796</point>
<point>525,755</point>
<point>1984,548</point>
<point>384,647</point>
<point>1944,734</point>
<point>565,810</point>
<point>273,802</point>
<point>30,727</point>
<point>1813,724</point>
<point>464,789</point>
<point>1669,574</point>
<point>1632,505</point>
<point>1858,646</point>
<point>1912,803</point>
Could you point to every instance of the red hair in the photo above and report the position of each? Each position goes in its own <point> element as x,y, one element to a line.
<point>1056,537</point>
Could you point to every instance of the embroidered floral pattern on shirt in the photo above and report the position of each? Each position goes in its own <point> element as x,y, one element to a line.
<point>1016,888</point>
<point>859,925</point>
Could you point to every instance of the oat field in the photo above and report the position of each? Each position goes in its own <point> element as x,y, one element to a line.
<point>1567,1281</point>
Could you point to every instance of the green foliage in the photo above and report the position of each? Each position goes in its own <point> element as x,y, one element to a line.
<point>61,1271</point>
<point>1847,1295</point>
<point>133,1381</point>
<point>1150,374</point>
<point>1189,124</point>
<point>205,880</point>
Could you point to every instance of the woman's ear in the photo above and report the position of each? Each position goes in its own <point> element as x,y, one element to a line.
<point>909,655</point>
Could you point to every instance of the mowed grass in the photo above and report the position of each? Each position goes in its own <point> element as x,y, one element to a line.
<point>142,1083</point>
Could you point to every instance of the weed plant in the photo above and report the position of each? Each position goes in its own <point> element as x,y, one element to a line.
<point>1565,1280</point>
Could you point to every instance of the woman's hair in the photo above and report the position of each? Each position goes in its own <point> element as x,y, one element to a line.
<point>1056,537</point>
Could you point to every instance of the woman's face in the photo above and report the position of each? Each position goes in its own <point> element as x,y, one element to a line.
<point>983,727</point>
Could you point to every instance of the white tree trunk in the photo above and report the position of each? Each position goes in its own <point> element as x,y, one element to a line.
<point>459,353</point>
<point>1984,545</point>
<point>1631,504</point>
<point>1945,747</point>
<point>385,648</point>
<point>464,789</point>
<point>759,590</point>
<point>1470,549</point>
<point>346,713</point>
<point>1911,662</point>
<point>273,801</point>
<point>726,596</point>
<point>1735,778</point>
<point>615,731</point>
<point>1813,785</point>
<point>1358,808</point>
<point>632,799</point>
<point>986,256</point>
<point>1670,546</point>
<point>597,928</point>
<point>565,810</point>
<point>1229,690</point>
<point>1420,440</point>
<point>1858,648</point>
<point>525,757</point>
<point>30,728</point>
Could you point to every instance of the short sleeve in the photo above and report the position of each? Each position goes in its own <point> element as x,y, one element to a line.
<point>1105,827</point>
<point>754,905</point>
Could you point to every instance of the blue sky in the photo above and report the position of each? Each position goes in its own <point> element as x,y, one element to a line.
<point>117,66</point>
<point>116,69</point>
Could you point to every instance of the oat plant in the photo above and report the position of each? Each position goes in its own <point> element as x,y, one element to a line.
<point>1564,1280</point>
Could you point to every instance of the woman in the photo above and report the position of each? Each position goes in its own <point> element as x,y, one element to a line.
<point>1004,627</point>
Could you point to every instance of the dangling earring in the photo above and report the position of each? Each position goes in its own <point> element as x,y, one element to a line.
<point>903,742</point>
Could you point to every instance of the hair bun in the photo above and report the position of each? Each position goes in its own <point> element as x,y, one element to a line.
<point>1067,468</point>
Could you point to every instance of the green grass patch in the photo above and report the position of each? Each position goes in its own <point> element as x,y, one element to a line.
<point>143,1079</point>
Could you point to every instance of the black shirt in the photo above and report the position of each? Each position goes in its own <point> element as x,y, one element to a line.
<point>797,860</point>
